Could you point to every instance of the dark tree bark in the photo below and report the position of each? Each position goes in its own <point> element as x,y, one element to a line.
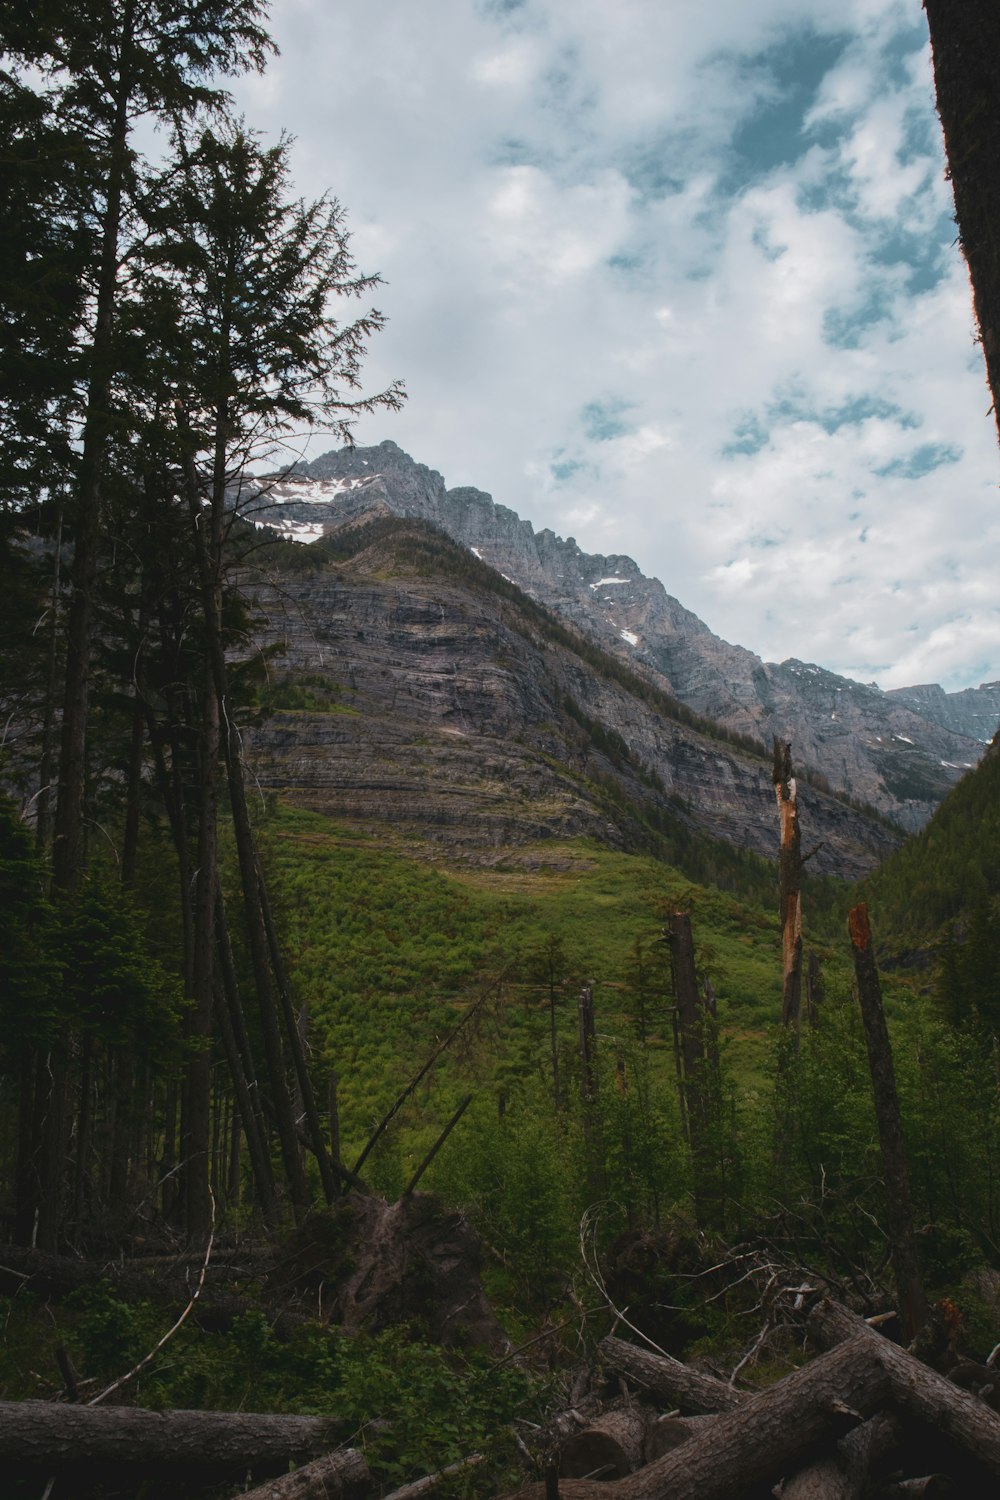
<point>765,1436</point>
<point>965,42</point>
<point>672,1382</point>
<point>899,1207</point>
<point>49,1434</point>
<point>609,1448</point>
<point>335,1476</point>
<point>944,1411</point>
<point>843,1474</point>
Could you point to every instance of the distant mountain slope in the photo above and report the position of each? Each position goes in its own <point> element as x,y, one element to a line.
<point>973,711</point>
<point>419,691</point>
<point>889,750</point>
<point>949,868</point>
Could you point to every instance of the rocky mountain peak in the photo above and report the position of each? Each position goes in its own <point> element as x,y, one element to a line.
<point>900,751</point>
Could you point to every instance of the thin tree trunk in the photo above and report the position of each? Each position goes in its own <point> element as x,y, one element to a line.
<point>899,1207</point>
<point>68,846</point>
<point>790,884</point>
<point>295,1041</point>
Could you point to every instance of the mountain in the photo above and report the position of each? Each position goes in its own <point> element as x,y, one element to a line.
<point>416,692</point>
<point>900,752</point>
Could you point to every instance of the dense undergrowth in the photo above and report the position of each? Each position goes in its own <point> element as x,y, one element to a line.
<point>388,954</point>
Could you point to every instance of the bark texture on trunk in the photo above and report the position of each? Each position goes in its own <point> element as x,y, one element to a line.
<point>965,43</point>
<point>673,1383</point>
<point>767,1435</point>
<point>610,1448</point>
<point>45,1433</point>
<point>335,1476</point>
<point>964,1421</point>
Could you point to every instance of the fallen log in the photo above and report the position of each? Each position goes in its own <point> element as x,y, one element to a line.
<point>610,1447</point>
<point>418,1488</point>
<point>763,1437</point>
<point>49,1434</point>
<point>669,1380</point>
<point>668,1432</point>
<point>843,1474</point>
<point>963,1420</point>
<point>343,1475</point>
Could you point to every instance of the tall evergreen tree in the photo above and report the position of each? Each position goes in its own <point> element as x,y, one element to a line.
<point>106,64</point>
<point>240,291</point>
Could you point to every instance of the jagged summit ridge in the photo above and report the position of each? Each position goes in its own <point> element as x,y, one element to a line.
<point>899,751</point>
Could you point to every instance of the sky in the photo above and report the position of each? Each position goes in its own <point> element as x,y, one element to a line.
<point>680,281</point>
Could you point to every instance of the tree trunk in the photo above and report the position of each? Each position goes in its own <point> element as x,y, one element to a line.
<point>843,1474</point>
<point>946,1411</point>
<point>899,1208</point>
<point>52,1435</point>
<point>610,1447</point>
<point>695,1093</point>
<point>68,848</point>
<point>335,1476</point>
<point>672,1382</point>
<point>295,1042</point>
<point>765,1436</point>
<point>790,884</point>
<point>965,43</point>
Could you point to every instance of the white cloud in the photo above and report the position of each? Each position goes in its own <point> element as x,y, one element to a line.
<point>580,206</point>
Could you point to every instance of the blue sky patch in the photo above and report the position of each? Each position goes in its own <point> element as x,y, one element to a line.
<point>562,469</point>
<point>750,435</point>
<point>921,461</point>
<point>772,136</point>
<point>604,420</point>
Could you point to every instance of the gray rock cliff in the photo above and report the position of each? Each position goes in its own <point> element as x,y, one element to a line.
<point>900,752</point>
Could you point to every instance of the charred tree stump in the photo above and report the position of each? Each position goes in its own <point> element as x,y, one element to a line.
<point>899,1207</point>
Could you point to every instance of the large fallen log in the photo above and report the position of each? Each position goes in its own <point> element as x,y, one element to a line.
<point>962,1419</point>
<point>762,1438</point>
<point>46,1433</point>
<point>674,1383</point>
<point>843,1473</point>
<point>335,1476</point>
